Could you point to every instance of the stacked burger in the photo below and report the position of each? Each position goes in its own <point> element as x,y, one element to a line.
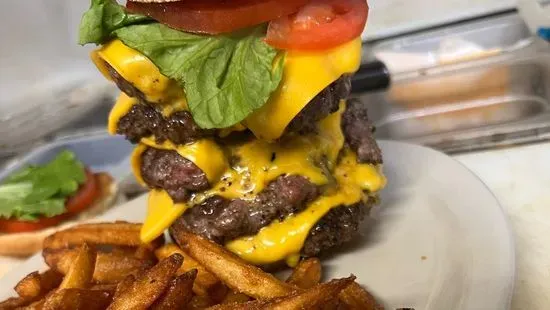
<point>239,112</point>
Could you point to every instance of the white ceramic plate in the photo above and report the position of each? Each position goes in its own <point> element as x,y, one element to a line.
<point>439,240</point>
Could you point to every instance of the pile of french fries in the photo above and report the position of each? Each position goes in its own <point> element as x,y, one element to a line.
<point>104,266</point>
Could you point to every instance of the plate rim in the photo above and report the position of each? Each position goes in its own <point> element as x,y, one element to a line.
<point>510,238</point>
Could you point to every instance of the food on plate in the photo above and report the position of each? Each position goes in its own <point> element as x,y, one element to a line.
<point>240,114</point>
<point>307,274</point>
<point>81,271</point>
<point>170,284</point>
<point>36,284</point>
<point>38,200</point>
<point>231,270</point>
<point>205,282</point>
<point>149,286</point>
<point>120,252</point>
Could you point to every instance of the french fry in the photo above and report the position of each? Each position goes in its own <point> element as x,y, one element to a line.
<point>233,297</point>
<point>313,298</point>
<point>307,274</point>
<point>146,253</point>
<point>115,234</point>
<point>124,285</point>
<point>354,297</point>
<point>78,299</point>
<point>37,305</point>
<point>106,267</point>
<point>105,287</point>
<point>29,286</point>
<point>200,302</point>
<point>14,303</point>
<point>36,285</point>
<point>113,268</point>
<point>149,286</point>
<point>205,283</point>
<point>81,271</point>
<point>110,267</point>
<point>178,294</point>
<point>233,271</point>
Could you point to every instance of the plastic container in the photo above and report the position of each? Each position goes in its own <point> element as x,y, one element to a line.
<point>472,103</point>
<point>463,42</point>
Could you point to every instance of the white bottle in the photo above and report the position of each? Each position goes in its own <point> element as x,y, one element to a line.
<point>536,14</point>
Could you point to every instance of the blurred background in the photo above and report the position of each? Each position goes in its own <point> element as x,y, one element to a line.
<point>465,76</point>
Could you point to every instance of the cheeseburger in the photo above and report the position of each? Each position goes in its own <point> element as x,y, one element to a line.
<point>239,114</point>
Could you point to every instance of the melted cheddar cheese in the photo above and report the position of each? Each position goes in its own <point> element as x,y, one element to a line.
<point>283,240</point>
<point>137,69</point>
<point>161,213</point>
<point>261,162</point>
<point>305,75</point>
<point>206,154</point>
<point>124,104</point>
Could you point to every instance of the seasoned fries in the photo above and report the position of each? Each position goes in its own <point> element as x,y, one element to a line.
<point>149,286</point>
<point>36,285</point>
<point>233,271</point>
<point>118,234</point>
<point>75,299</point>
<point>205,283</point>
<point>81,271</point>
<point>14,302</point>
<point>178,294</point>
<point>234,297</point>
<point>307,274</point>
<point>356,297</point>
<point>110,267</point>
<point>94,268</point>
<point>313,298</point>
<point>113,268</point>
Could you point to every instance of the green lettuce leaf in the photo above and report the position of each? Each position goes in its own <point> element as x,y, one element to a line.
<point>41,190</point>
<point>102,18</point>
<point>225,77</point>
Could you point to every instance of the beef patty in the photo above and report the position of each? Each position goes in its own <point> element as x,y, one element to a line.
<point>337,227</point>
<point>324,104</point>
<point>173,173</point>
<point>180,177</point>
<point>144,120</point>
<point>358,132</point>
<point>223,220</point>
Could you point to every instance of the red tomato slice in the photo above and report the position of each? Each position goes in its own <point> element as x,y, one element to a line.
<point>15,226</point>
<point>86,194</point>
<point>216,16</point>
<point>321,24</point>
<point>79,202</point>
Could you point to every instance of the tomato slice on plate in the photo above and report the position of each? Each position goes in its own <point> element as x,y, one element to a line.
<point>216,16</point>
<point>79,202</point>
<point>321,24</point>
<point>86,194</point>
<point>15,226</point>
